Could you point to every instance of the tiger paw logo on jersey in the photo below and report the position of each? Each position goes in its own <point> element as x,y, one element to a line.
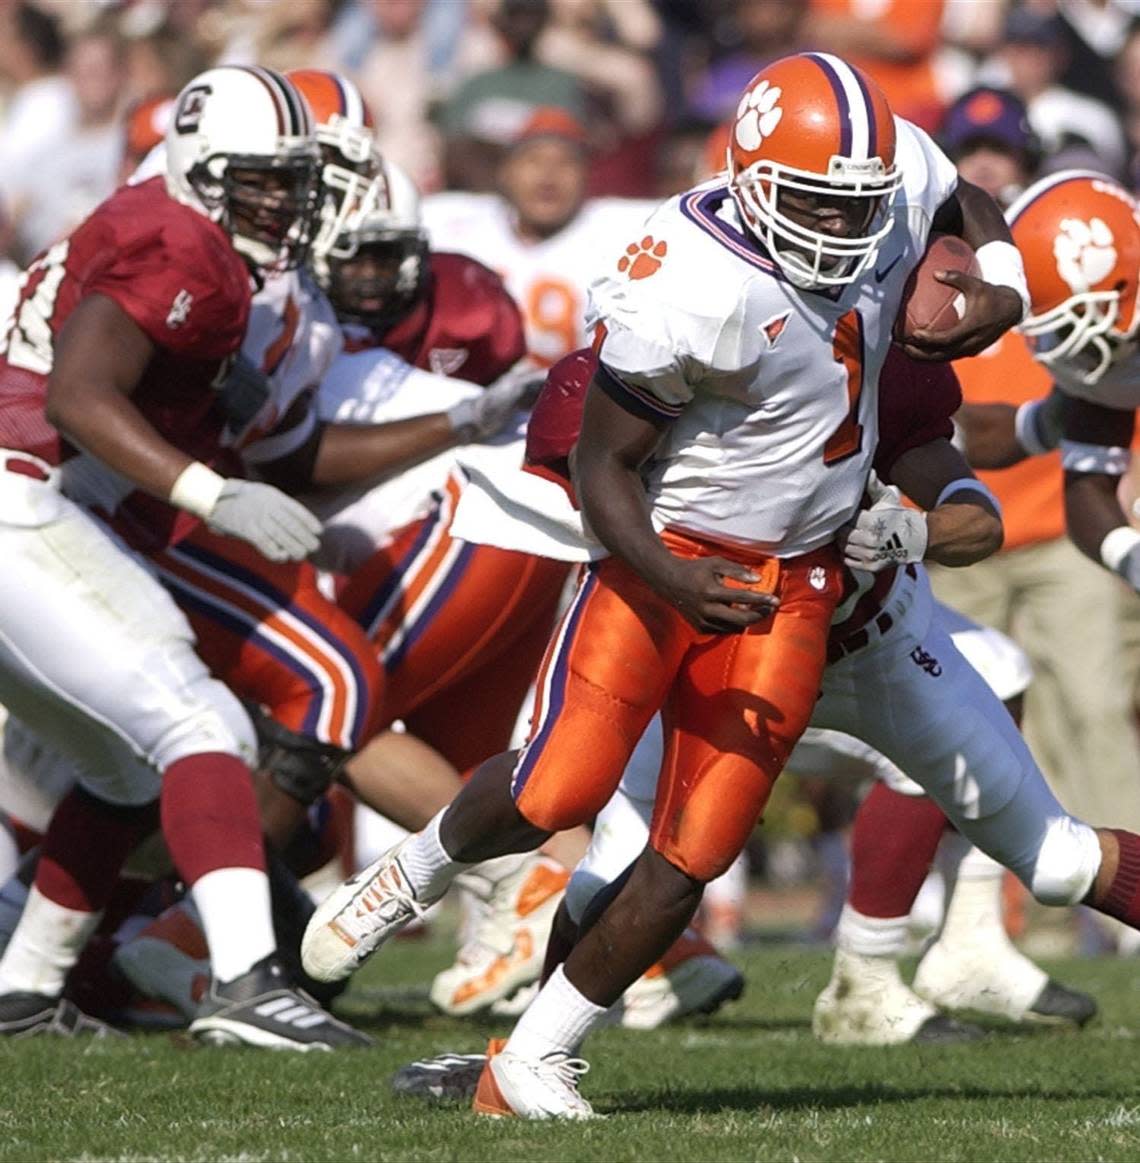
<point>1085,252</point>
<point>642,259</point>
<point>757,115</point>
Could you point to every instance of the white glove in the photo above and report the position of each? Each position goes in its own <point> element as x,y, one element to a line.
<point>487,413</point>
<point>281,528</point>
<point>277,526</point>
<point>886,534</point>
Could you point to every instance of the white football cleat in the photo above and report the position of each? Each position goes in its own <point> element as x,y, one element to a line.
<point>513,1086</point>
<point>358,917</point>
<point>691,978</point>
<point>446,1076</point>
<point>995,978</point>
<point>507,947</point>
<point>866,1003</point>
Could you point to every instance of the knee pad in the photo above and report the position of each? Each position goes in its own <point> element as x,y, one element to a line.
<point>1066,864</point>
<point>300,767</point>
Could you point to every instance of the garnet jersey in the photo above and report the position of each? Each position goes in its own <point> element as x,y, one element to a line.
<point>175,274</point>
<point>466,324</point>
<point>548,279</point>
<point>767,395</point>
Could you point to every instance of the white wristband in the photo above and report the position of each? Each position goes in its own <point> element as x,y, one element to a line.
<point>197,489</point>
<point>1000,264</point>
<point>1117,544</point>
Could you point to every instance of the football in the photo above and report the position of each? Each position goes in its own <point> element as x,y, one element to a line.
<point>928,303</point>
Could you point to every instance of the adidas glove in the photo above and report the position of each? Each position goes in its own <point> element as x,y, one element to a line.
<point>483,415</point>
<point>279,527</point>
<point>886,534</point>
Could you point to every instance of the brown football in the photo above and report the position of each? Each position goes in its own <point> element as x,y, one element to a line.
<point>926,302</point>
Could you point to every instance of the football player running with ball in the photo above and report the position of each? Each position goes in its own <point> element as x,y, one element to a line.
<point>740,348</point>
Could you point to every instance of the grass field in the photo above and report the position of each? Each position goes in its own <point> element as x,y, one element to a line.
<point>749,1083</point>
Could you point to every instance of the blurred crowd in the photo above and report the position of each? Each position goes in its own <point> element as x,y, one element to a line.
<point>452,81</point>
<point>1011,88</point>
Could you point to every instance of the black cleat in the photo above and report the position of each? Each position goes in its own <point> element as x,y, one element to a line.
<point>28,1015</point>
<point>1057,1005</point>
<point>261,1008</point>
<point>941,1030</point>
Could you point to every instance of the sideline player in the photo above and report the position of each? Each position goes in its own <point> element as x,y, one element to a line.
<point>111,367</point>
<point>739,584</point>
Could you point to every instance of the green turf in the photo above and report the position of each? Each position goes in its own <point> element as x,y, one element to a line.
<point>748,1084</point>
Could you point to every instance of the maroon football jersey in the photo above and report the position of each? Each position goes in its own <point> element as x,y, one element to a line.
<point>466,326</point>
<point>169,268</point>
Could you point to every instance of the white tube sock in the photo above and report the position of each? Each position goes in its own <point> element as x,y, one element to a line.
<point>426,863</point>
<point>46,944</point>
<point>234,907</point>
<point>871,936</point>
<point>556,1022</point>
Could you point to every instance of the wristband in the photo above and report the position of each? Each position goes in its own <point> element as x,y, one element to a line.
<point>968,485</point>
<point>1117,545</point>
<point>1025,428</point>
<point>197,489</point>
<point>1000,264</point>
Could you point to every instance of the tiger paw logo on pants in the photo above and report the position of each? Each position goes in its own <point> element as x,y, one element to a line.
<point>757,115</point>
<point>642,259</point>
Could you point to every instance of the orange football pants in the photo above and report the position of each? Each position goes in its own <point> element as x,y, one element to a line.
<point>733,704</point>
<point>459,629</point>
<point>266,630</point>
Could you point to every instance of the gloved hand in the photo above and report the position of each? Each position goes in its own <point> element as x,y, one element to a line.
<point>487,413</point>
<point>886,534</point>
<point>281,528</point>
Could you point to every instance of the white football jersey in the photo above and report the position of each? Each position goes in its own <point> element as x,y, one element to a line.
<point>768,394</point>
<point>547,279</point>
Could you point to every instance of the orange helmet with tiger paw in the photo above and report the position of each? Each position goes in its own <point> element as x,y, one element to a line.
<point>813,124</point>
<point>1079,237</point>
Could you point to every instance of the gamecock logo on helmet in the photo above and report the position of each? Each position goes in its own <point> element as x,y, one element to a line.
<point>190,109</point>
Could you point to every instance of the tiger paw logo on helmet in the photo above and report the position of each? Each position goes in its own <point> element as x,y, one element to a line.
<point>1085,252</point>
<point>642,259</point>
<point>757,115</point>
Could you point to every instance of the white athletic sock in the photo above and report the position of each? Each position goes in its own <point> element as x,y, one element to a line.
<point>233,905</point>
<point>871,936</point>
<point>556,1022</point>
<point>426,863</point>
<point>974,905</point>
<point>45,945</point>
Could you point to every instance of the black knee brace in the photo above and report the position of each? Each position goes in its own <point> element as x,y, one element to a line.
<point>300,767</point>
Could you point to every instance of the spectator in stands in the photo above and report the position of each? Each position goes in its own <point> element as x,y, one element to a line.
<point>763,30</point>
<point>1078,710</point>
<point>894,40</point>
<point>1030,61</point>
<point>66,179</point>
<point>41,104</point>
<point>489,110</point>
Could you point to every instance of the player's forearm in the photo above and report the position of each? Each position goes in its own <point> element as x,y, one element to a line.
<point>1092,512</point>
<point>962,533</point>
<point>988,435</point>
<point>351,453</point>
<point>615,505</point>
<point>106,424</point>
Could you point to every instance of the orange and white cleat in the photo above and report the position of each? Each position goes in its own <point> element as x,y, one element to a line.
<point>508,944</point>
<point>691,978</point>
<point>515,1087</point>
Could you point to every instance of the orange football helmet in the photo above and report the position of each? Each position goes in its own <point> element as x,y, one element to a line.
<point>812,123</point>
<point>1079,236</point>
<point>351,160</point>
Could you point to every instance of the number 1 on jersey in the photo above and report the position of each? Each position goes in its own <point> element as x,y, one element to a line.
<point>847,347</point>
